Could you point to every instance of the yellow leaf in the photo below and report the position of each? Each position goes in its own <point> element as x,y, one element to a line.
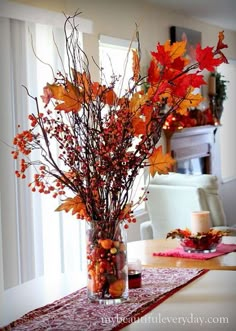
<point>160,163</point>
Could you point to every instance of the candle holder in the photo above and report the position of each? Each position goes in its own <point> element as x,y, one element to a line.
<point>212,104</point>
<point>212,101</point>
<point>215,109</point>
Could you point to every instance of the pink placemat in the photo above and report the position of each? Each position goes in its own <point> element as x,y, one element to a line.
<point>179,252</point>
<point>75,313</point>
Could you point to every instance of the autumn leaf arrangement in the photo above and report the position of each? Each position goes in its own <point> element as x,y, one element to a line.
<point>104,139</point>
<point>198,241</point>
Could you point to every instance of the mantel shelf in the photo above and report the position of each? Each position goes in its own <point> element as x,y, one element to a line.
<point>194,130</point>
<point>192,143</point>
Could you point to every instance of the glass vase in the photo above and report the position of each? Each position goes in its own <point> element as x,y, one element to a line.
<point>107,262</point>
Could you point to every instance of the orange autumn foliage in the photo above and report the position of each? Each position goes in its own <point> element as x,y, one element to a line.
<point>76,205</point>
<point>160,163</point>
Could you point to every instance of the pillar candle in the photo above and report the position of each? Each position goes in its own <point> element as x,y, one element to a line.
<point>212,85</point>
<point>200,221</point>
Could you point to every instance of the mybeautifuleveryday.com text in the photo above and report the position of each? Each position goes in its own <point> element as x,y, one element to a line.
<point>161,319</point>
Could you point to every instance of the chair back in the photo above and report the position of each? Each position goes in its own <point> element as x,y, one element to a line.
<point>173,197</point>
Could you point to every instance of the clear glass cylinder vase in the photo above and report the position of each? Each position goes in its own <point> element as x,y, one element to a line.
<point>107,262</point>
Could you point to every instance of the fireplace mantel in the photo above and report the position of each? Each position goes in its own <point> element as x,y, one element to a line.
<point>193,143</point>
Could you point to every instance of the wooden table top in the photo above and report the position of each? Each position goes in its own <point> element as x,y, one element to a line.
<point>144,250</point>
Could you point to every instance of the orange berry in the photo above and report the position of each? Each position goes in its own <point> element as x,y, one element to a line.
<point>116,243</point>
<point>106,243</point>
<point>113,250</point>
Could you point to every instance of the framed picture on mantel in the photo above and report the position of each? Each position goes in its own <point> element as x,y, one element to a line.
<point>191,36</point>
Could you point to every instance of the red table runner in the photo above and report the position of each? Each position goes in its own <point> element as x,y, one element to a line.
<point>75,312</point>
<point>179,252</point>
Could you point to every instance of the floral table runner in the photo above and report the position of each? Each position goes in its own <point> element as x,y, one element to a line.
<point>75,312</point>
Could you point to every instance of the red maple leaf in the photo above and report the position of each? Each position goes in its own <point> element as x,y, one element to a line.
<point>196,80</point>
<point>193,80</point>
<point>178,64</point>
<point>162,56</point>
<point>153,72</point>
<point>205,58</point>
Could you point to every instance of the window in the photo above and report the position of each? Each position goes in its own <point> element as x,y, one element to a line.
<point>63,236</point>
<point>115,59</point>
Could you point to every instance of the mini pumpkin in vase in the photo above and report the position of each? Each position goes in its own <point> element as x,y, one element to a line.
<point>103,140</point>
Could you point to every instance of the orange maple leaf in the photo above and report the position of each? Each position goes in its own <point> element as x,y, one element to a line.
<point>139,126</point>
<point>159,92</point>
<point>176,50</point>
<point>141,121</point>
<point>137,101</point>
<point>83,80</point>
<point>75,204</point>
<point>141,113</point>
<point>69,95</point>
<point>160,163</point>
<point>190,100</point>
<point>110,98</point>
<point>84,84</point>
<point>92,90</point>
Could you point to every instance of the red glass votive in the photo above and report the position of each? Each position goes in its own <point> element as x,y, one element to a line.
<point>135,273</point>
<point>135,278</point>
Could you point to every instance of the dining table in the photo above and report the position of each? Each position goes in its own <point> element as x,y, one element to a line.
<point>176,294</point>
<point>144,249</point>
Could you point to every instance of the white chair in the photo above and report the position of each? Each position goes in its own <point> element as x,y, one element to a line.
<point>173,197</point>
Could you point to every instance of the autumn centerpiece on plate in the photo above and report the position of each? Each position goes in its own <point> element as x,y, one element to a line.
<point>94,142</point>
<point>201,242</point>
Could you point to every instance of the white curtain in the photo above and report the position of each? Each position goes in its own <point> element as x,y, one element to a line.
<point>34,240</point>
<point>13,71</point>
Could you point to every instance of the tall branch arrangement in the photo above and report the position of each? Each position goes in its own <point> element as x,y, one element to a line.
<point>93,142</point>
